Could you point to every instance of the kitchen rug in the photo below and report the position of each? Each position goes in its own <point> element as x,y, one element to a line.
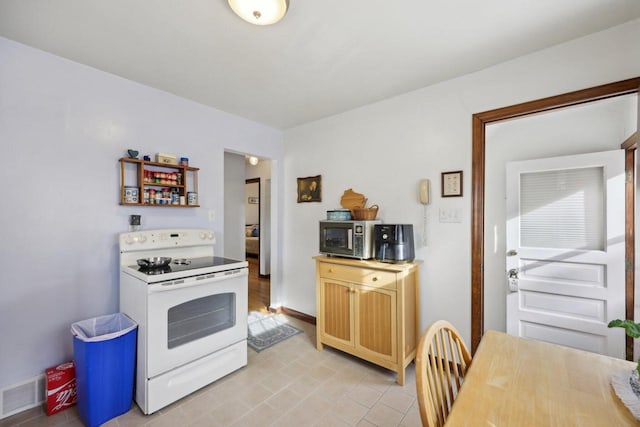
<point>268,330</point>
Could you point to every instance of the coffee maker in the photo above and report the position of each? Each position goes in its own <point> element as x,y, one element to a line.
<point>393,243</point>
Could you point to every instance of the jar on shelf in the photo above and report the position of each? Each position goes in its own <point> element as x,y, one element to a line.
<point>184,161</point>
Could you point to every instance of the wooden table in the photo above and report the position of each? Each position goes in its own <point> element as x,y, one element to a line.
<point>517,382</point>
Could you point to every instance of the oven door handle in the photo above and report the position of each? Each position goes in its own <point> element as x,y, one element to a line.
<point>190,282</point>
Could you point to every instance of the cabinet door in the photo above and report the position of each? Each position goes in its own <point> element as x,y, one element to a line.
<point>376,322</point>
<point>337,310</point>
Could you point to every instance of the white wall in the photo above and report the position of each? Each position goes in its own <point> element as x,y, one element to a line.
<point>265,224</point>
<point>234,205</point>
<point>383,149</point>
<point>63,127</point>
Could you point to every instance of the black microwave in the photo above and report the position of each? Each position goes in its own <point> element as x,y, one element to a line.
<point>352,239</point>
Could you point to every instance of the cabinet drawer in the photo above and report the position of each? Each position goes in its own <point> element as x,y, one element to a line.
<point>363,276</point>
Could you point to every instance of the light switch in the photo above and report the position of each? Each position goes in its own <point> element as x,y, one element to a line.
<point>450,215</point>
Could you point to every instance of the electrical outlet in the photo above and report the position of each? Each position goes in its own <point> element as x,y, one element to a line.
<point>212,215</point>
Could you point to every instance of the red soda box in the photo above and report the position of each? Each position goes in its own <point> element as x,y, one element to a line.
<point>61,387</point>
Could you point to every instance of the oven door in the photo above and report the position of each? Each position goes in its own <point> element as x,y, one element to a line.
<point>194,317</point>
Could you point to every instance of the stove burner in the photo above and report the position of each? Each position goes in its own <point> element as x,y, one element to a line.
<point>182,261</point>
<point>155,270</point>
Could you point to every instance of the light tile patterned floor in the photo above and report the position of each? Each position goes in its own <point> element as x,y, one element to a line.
<point>289,384</point>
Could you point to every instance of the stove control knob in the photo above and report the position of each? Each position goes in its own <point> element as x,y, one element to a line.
<point>203,235</point>
<point>142,238</point>
<point>129,240</point>
<point>210,235</point>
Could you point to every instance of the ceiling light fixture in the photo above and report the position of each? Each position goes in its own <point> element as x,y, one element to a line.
<point>253,160</point>
<point>260,12</point>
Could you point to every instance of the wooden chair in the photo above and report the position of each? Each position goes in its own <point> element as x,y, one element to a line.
<point>442,361</point>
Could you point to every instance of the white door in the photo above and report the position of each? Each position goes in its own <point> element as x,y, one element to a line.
<point>565,250</point>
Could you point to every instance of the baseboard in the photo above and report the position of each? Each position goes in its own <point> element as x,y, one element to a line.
<point>298,315</point>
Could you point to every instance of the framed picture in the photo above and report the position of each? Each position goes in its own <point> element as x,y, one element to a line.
<point>310,189</point>
<point>253,200</point>
<point>452,184</point>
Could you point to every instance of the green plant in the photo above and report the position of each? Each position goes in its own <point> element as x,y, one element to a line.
<point>632,329</point>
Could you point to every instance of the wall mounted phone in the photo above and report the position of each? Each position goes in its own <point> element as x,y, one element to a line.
<point>424,196</point>
<point>423,191</point>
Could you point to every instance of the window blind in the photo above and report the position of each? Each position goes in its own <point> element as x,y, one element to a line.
<point>563,209</point>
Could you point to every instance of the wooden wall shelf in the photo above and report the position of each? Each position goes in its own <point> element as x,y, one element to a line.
<point>179,180</point>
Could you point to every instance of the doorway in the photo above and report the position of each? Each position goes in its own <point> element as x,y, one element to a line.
<point>237,169</point>
<point>480,122</point>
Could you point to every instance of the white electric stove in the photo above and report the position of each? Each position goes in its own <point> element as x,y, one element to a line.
<point>191,313</point>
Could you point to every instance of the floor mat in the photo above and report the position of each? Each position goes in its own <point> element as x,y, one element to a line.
<point>268,330</point>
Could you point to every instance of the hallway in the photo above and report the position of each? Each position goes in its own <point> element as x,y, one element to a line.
<point>259,288</point>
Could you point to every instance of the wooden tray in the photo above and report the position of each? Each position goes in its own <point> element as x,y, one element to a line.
<point>350,199</point>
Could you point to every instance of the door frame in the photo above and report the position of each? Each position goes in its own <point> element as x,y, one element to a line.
<point>479,123</point>
<point>258,181</point>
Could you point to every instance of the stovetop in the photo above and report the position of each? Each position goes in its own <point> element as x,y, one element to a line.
<point>186,264</point>
<point>185,267</point>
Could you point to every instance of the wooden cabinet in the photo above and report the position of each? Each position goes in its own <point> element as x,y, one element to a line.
<point>152,177</point>
<point>369,309</point>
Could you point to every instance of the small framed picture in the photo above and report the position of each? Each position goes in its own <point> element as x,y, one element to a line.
<point>452,184</point>
<point>310,189</point>
<point>253,200</point>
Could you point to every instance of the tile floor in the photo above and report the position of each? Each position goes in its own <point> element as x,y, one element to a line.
<point>289,384</point>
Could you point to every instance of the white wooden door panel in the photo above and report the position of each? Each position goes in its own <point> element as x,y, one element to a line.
<point>596,343</point>
<point>565,241</point>
<point>584,274</point>
<point>585,280</point>
<point>560,305</point>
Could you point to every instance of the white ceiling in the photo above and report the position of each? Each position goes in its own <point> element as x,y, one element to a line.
<point>325,57</point>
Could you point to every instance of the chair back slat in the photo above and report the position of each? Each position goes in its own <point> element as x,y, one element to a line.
<point>441,363</point>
